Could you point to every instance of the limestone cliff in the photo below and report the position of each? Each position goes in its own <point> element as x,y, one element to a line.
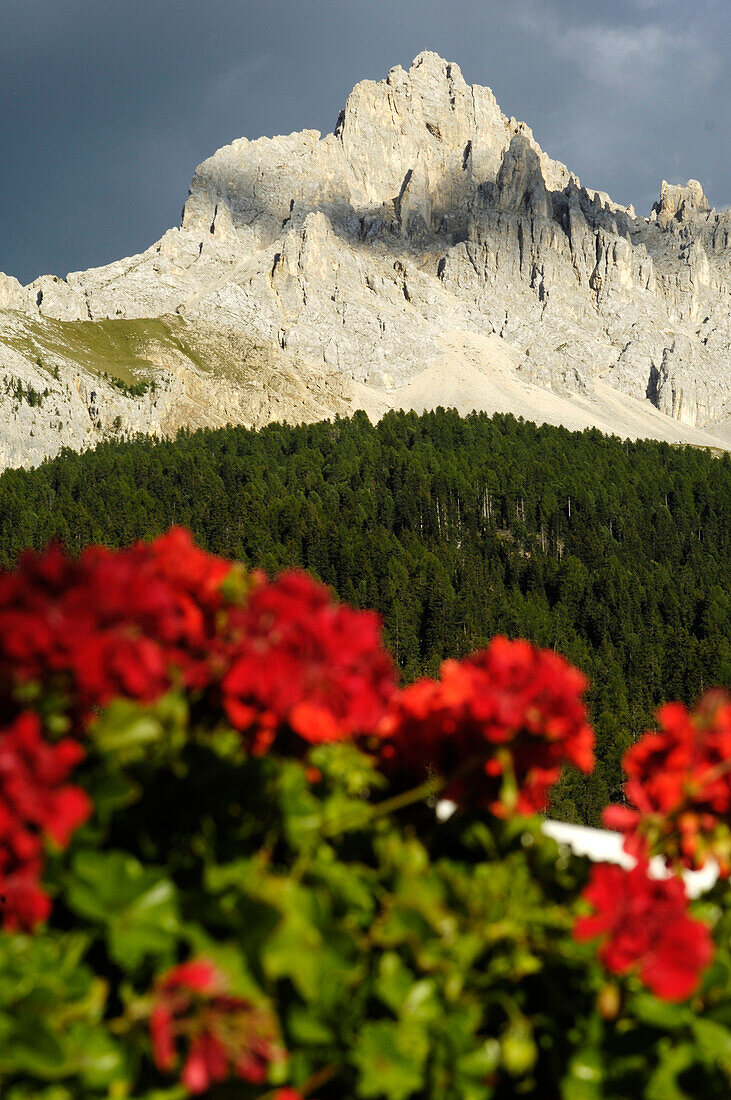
<point>427,237</point>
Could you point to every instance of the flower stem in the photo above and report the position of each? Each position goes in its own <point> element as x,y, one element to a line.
<point>320,1077</point>
<point>426,790</point>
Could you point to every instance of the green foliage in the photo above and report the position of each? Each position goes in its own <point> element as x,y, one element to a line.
<point>407,959</point>
<point>130,389</point>
<point>15,388</point>
<point>135,906</point>
<point>51,1009</point>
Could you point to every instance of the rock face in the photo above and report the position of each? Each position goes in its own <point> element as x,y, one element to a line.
<point>341,263</point>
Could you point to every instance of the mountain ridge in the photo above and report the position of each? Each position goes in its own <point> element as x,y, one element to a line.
<point>427,233</point>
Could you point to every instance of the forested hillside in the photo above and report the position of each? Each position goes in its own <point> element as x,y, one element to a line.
<point>617,554</point>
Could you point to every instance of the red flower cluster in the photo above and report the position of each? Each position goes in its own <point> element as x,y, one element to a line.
<point>645,928</point>
<point>111,623</point>
<point>679,783</point>
<point>135,622</point>
<point>35,802</point>
<point>497,726</point>
<point>304,662</point>
<point>224,1035</point>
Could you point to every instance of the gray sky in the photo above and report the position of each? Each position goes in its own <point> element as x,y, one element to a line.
<point>107,106</point>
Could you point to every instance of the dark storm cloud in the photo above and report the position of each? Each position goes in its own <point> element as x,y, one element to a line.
<point>106,106</point>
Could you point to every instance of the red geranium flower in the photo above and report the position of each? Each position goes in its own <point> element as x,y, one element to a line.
<point>497,726</point>
<point>125,622</point>
<point>23,904</point>
<point>35,801</point>
<point>644,927</point>
<point>306,663</point>
<point>225,1035</point>
<point>679,786</point>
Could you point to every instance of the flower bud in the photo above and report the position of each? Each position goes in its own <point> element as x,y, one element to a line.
<point>518,1051</point>
<point>609,1001</point>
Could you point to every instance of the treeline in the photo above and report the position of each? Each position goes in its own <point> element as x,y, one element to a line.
<point>618,554</point>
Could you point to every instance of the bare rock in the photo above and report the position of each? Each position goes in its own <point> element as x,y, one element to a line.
<point>12,294</point>
<point>679,202</point>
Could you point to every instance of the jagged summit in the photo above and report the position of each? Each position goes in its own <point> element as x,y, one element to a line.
<point>428,239</point>
<point>679,202</point>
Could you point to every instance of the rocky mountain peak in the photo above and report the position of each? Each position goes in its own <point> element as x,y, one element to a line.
<point>520,186</point>
<point>428,246</point>
<point>680,202</point>
<point>11,293</point>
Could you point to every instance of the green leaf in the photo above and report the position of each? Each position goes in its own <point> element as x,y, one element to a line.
<point>32,1092</point>
<point>347,769</point>
<point>394,981</point>
<point>584,1080</point>
<point>136,904</point>
<point>46,968</point>
<point>422,1002</point>
<point>51,1027</point>
<point>406,996</point>
<point>350,885</point>
<point>390,1057</point>
<point>482,1062</point>
<point>300,809</point>
<point>295,949</point>
<point>292,951</point>
<point>223,876</point>
<point>130,731</point>
<point>306,1029</point>
<point>111,791</point>
<point>34,1048</point>
<point>663,1084</point>
<point>663,1015</point>
<point>714,1041</point>
<point>94,1055</point>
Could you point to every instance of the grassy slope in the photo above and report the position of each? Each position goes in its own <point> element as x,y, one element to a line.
<point>119,347</point>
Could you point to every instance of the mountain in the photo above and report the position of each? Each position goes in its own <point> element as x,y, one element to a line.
<point>425,253</point>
